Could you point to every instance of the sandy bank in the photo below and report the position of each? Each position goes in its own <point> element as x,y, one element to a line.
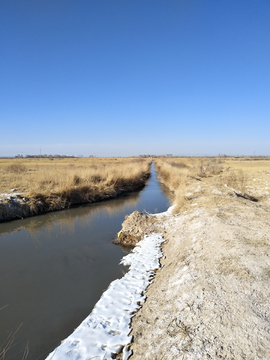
<point>210,300</point>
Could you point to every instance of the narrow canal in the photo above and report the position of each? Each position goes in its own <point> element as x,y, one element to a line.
<point>54,268</point>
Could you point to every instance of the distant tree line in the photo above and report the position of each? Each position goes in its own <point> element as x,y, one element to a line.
<point>47,156</point>
<point>155,156</point>
<point>254,157</point>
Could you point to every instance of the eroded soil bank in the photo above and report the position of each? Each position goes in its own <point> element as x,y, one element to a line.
<point>210,300</point>
<point>135,227</point>
<point>16,206</point>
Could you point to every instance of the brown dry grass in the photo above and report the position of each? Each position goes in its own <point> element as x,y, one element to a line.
<point>72,180</point>
<point>247,175</point>
<point>176,173</point>
<point>235,179</point>
<point>247,178</point>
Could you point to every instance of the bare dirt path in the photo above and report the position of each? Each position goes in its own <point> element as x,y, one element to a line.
<point>211,299</point>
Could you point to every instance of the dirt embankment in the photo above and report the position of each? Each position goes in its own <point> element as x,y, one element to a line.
<point>135,227</point>
<point>16,206</point>
<point>210,300</point>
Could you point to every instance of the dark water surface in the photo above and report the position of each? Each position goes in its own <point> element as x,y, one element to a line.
<point>54,268</point>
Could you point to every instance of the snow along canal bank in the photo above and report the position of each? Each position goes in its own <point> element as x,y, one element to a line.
<point>105,332</point>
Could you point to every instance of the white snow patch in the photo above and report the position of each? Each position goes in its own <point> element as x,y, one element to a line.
<point>8,195</point>
<point>105,331</point>
<point>165,213</point>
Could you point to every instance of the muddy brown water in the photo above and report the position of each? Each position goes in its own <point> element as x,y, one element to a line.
<point>54,268</point>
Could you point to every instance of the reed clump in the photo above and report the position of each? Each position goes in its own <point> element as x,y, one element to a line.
<point>63,182</point>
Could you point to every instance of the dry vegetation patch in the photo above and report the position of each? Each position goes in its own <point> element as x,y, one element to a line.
<point>47,184</point>
<point>206,181</point>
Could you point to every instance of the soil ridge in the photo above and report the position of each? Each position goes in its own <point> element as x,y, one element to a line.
<point>210,299</point>
<point>135,227</point>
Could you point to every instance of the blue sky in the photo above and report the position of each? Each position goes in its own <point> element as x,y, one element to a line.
<point>129,77</point>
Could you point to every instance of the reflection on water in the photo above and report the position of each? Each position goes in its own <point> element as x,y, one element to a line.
<point>54,268</point>
<point>66,218</point>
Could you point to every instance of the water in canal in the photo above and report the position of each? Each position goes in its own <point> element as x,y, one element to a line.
<point>54,268</point>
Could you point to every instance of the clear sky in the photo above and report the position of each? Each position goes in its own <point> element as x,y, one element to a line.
<point>129,77</point>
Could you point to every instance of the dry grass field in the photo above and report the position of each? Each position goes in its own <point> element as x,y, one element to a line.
<point>57,183</point>
<point>246,177</point>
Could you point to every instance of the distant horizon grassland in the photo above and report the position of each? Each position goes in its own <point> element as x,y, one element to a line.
<point>72,180</point>
<point>244,176</point>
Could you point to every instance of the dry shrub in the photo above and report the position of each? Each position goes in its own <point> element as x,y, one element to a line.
<point>207,168</point>
<point>236,179</point>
